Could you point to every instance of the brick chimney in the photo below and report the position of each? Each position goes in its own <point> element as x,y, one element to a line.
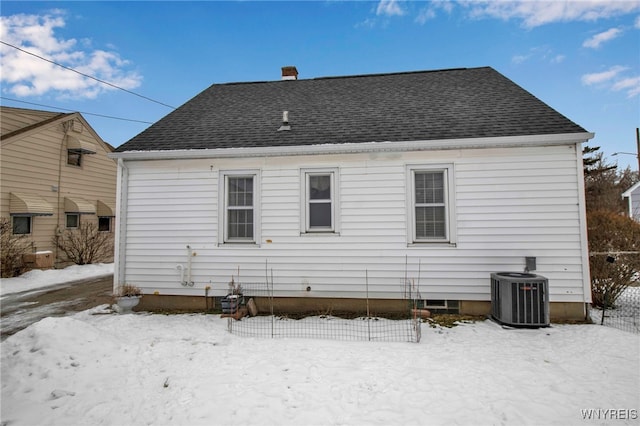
<point>289,73</point>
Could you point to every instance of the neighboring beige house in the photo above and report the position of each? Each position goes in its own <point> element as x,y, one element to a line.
<point>55,176</point>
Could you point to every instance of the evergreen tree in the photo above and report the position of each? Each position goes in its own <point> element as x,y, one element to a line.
<point>589,160</point>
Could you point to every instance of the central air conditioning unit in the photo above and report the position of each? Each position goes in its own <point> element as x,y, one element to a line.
<point>520,299</point>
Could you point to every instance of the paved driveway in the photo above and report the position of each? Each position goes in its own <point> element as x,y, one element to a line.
<point>20,310</point>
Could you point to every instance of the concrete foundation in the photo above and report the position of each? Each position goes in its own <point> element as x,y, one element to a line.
<point>559,311</point>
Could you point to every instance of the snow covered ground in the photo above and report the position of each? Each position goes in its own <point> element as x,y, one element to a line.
<point>37,279</point>
<point>22,302</point>
<point>101,368</point>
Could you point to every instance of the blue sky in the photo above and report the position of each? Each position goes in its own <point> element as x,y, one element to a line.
<point>582,58</point>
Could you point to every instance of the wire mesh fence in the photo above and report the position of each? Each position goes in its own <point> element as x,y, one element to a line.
<point>334,323</point>
<point>328,327</point>
<point>625,313</point>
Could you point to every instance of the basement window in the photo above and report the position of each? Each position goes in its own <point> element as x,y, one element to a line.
<point>437,306</point>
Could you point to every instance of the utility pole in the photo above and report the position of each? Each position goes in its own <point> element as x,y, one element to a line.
<point>638,148</point>
<point>637,154</point>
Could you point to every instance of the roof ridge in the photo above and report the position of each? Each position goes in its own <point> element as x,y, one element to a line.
<point>443,70</point>
<point>398,73</point>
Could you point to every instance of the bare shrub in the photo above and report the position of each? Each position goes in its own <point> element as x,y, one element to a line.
<point>128,290</point>
<point>86,244</point>
<point>12,247</point>
<point>614,244</point>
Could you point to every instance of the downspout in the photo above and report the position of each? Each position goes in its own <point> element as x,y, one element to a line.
<point>119,260</point>
<point>59,210</point>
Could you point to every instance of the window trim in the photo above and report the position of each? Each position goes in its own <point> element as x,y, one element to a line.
<point>223,185</point>
<point>449,204</point>
<point>334,175</point>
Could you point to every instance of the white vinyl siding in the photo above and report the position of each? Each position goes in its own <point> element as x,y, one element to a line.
<point>633,199</point>
<point>504,205</point>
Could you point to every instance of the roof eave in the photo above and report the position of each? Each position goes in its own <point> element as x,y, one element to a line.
<point>351,148</point>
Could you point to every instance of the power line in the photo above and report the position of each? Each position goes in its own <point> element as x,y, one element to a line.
<point>81,112</point>
<point>86,75</point>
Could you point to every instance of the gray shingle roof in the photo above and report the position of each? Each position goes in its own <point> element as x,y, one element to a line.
<point>428,105</point>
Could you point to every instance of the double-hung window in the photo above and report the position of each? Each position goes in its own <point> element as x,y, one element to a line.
<point>431,209</point>
<point>240,197</point>
<point>320,200</point>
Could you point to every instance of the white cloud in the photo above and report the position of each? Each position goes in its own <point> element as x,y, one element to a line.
<point>539,53</point>
<point>631,85</point>
<point>26,75</point>
<point>636,24</point>
<point>425,15</point>
<point>389,8</point>
<point>613,80</point>
<point>602,77</point>
<point>431,11</point>
<point>532,13</point>
<point>595,41</point>
<point>535,13</point>
<point>367,23</point>
<point>519,59</point>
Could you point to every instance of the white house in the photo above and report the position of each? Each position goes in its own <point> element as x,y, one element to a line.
<point>344,186</point>
<point>632,195</point>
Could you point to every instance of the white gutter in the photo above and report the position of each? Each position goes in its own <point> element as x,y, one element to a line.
<point>351,148</point>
